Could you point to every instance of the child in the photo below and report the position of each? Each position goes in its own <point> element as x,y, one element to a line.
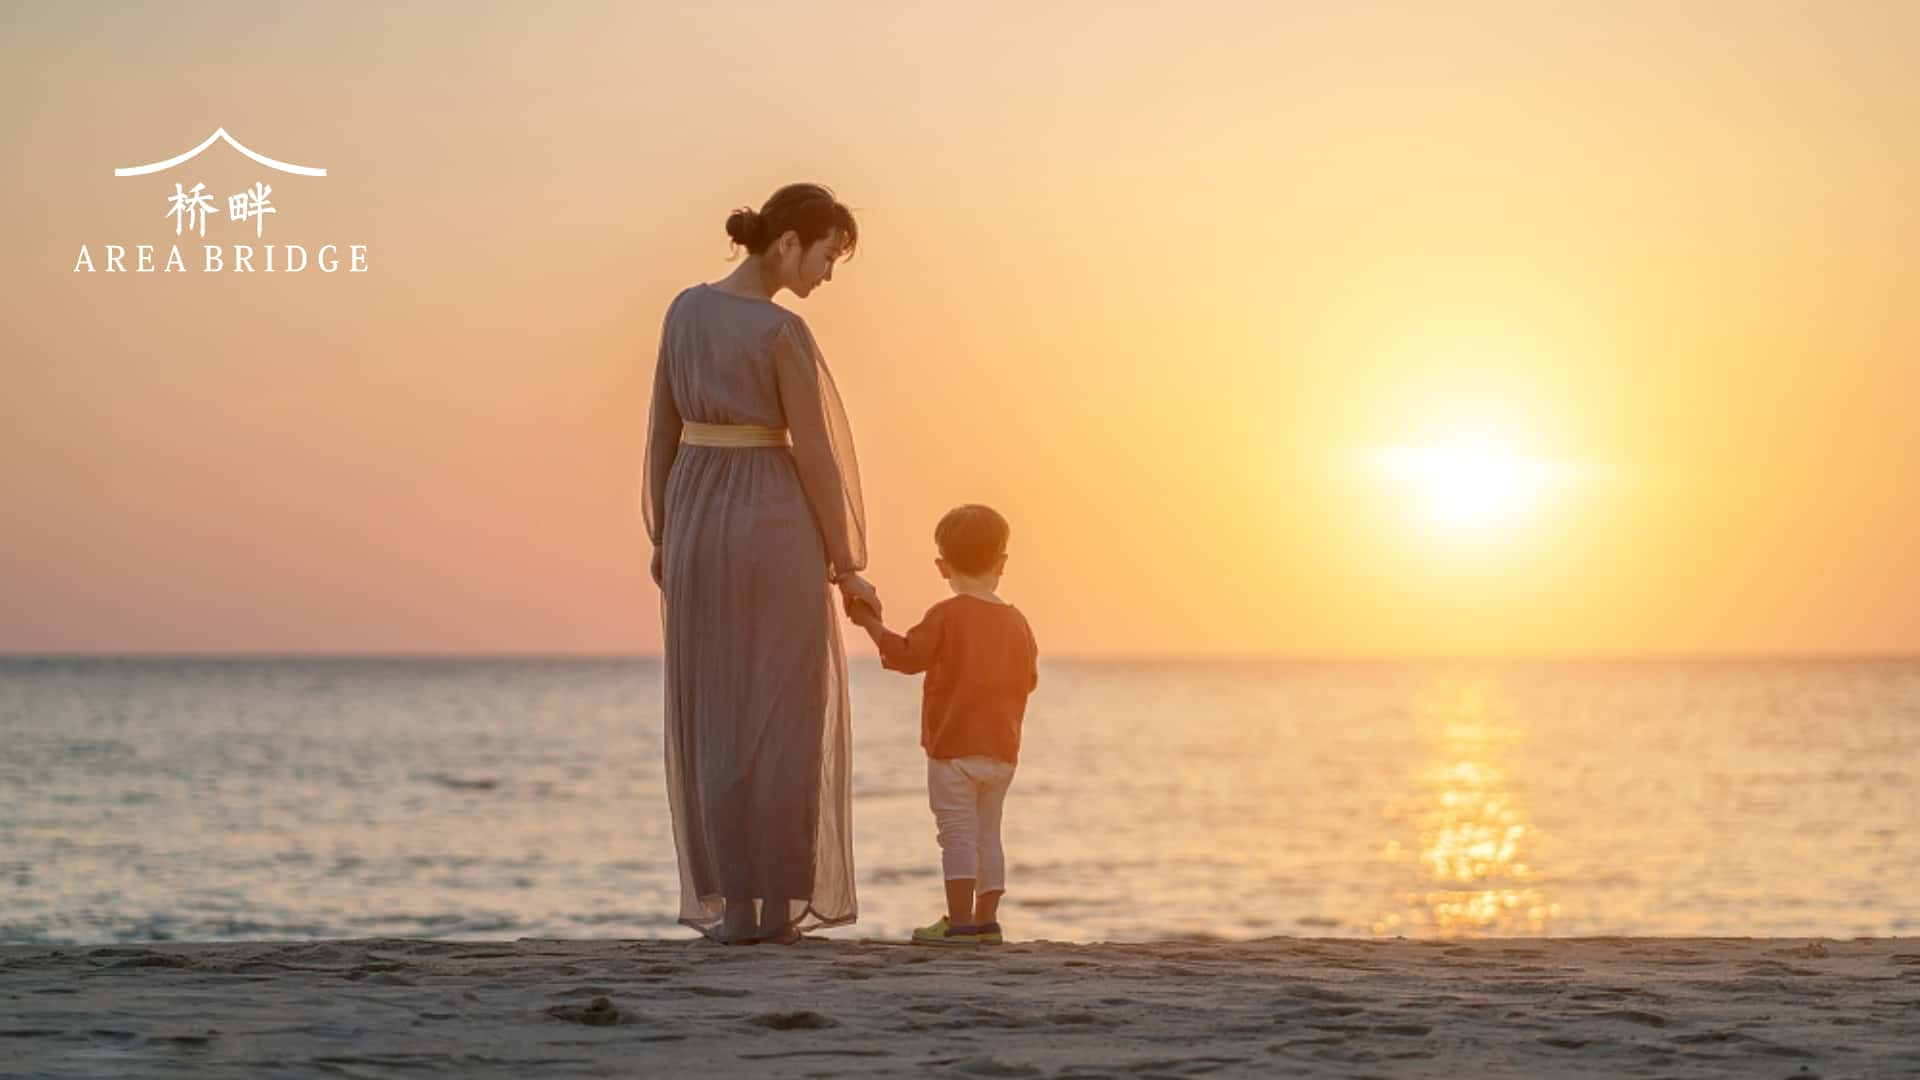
<point>981,663</point>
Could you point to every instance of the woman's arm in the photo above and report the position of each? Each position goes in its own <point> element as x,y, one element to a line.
<point>663,445</point>
<point>822,447</point>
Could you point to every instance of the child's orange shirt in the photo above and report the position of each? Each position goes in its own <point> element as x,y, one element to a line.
<point>981,663</point>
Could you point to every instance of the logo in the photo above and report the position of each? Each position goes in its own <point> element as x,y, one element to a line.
<point>190,208</point>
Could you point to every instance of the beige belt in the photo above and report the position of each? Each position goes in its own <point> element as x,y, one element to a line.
<point>694,433</point>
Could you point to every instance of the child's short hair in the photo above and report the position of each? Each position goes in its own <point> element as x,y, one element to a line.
<point>972,538</point>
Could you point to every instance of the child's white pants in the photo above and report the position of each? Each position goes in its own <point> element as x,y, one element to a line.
<point>966,795</point>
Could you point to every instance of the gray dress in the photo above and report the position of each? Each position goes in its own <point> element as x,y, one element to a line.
<point>758,741</point>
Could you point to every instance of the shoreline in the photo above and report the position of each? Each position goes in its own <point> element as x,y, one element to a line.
<point>1532,1007</point>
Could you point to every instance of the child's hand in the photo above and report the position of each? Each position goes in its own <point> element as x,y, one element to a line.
<point>860,612</point>
<point>854,586</point>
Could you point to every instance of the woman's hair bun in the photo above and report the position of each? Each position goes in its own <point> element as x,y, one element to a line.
<point>809,211</point>
<point>743,225</point>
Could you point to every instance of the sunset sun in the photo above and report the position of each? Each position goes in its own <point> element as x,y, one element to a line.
<point>1467,486</point>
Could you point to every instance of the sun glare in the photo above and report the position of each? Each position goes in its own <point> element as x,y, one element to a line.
<point>1468,487</point>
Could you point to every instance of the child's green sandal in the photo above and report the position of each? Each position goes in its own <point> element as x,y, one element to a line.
<point>942,934</point>
<point>989,934</point>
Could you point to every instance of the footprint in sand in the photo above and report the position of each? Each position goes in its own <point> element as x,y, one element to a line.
<point>1309,992</point>
<point>586,991</point>
<point>1317,1042</point>
<point>1683,958</point>
<point>1774,967</point>
<point>600,1012</point>
<point>1632,1016</point>
<point>1700,1037</point>
<point>153,960</point>
<point>1402,1029</point>
<point>800,1020</point>
<point>991,1066</point>
<point>185,1040</point>
<point>1193,1066</point>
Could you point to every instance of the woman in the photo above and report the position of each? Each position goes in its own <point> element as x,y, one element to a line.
<point>753,505</point>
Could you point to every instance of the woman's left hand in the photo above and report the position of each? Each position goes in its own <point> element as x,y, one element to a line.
<point>854,587</point>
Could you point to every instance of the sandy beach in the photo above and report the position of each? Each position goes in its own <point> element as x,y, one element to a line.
<point>1676,1007</point>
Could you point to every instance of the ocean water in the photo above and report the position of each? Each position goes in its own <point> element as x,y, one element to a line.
<point>204,800</point>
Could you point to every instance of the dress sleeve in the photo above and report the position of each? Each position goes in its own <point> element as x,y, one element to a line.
<point>822,446</point>
<point>663,443</point>
<point>913,652</point>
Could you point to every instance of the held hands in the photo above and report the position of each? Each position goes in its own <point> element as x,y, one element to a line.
<point>860,599</point>
<point>863,616</point>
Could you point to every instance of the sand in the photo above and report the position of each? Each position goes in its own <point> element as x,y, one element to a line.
<point>1677,1007</point>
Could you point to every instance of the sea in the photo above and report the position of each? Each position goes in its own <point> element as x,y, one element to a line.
<point>196,799</point>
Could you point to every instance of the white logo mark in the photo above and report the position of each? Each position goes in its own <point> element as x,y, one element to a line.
<point>220,133</point>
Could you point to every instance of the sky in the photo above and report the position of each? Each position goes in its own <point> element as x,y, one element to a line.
<point>1321,329</point>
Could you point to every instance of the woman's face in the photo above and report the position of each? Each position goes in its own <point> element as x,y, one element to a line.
<point>804,268</point>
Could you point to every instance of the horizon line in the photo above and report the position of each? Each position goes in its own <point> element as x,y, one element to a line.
<point>1077,657</point>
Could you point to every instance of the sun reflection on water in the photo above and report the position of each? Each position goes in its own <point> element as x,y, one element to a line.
<point>1468,862</point>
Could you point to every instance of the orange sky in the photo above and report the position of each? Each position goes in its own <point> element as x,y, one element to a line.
<point>1148,279</point>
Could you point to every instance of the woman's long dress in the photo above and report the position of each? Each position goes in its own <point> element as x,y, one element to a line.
<point>758,741</point>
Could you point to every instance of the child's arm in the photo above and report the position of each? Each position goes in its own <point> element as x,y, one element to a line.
<point>1033,657</point>
<point>909,653</point>
<point>863,617</point>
